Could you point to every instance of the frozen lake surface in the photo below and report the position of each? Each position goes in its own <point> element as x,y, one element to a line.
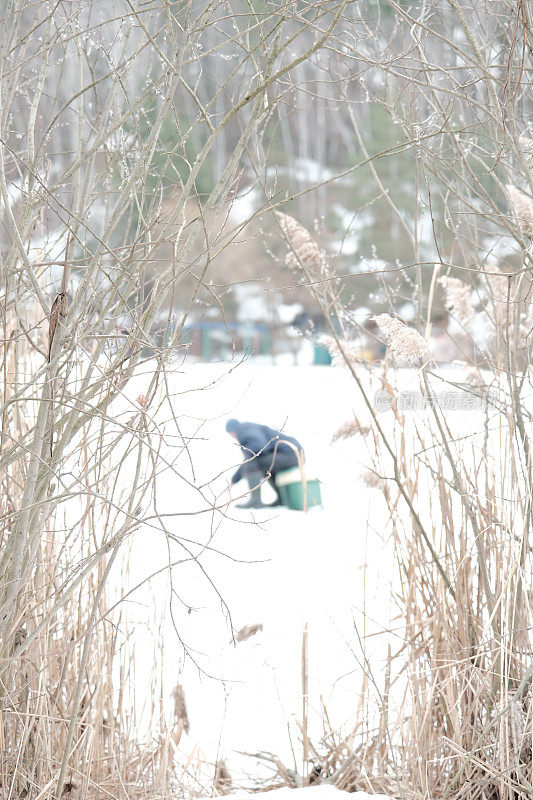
<point>327,571</point>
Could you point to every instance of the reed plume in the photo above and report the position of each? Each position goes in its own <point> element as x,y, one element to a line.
<point>349,429</point>
<point>522,209</point>
<point>458,300</point>
<point>306,256</point>
<point>247,631</point>
<point>404,342</point>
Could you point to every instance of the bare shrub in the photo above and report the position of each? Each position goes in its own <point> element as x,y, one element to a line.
<point>116,174</point>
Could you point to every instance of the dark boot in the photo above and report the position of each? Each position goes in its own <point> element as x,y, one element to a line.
<point>277,502</point>
<point>254,501</point>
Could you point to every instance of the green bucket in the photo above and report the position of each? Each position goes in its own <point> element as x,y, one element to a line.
<point>293,494</point>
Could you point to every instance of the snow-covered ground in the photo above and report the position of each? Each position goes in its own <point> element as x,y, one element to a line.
<point>327,571</point>
<point>322,792</point>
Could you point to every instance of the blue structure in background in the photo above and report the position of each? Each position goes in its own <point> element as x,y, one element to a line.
<point>208,339</point>
<point>207,335</point>
<point>321,355</point>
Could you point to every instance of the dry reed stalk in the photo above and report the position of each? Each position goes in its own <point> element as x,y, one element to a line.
<point>459,729</point>
<point>305,700</point>
<point>61,712</point>
<point>223,782</point>
<point>462,692</point>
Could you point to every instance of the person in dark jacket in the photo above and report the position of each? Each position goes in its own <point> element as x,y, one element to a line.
<point>266,452</point>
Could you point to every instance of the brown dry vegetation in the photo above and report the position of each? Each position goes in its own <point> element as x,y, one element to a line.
<point>453,714</point>
<point>455,711</point>
<point>65,662</point>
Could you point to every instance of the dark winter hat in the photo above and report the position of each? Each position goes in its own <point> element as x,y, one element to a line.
<point>232,425</point>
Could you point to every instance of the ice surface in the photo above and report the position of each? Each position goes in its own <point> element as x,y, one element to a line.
<point>283,569</point>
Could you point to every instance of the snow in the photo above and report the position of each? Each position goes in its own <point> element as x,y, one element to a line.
<point>287,312</point>
<point>285,570</point>
<point>326,577</point>
<point>371,265</point>
<point>244,205</point>
<point>362,314</point>
<point>14,192</point>
<point>309,170</point>
<point>321,792</point>
<point>407,312</point>
<point>252,303</point>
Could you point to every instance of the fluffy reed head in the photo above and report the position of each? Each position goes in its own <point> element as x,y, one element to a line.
<point>501,298</point>
<point>349,429</point>
<point>349,353</point>
<point>306,256</point>
<point>404,342</point>
<point>223,781</point>
<point>522,209</point>
<point>247,631</point>
<point>527,146</point>
<point>458,300</point>
<point>304,250</point>
<point>373,481</point>
<point>180,707</point>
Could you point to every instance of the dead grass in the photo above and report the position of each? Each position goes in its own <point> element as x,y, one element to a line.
<point>66,723</point>
<point>451,713</point>
<point>455,709</point>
